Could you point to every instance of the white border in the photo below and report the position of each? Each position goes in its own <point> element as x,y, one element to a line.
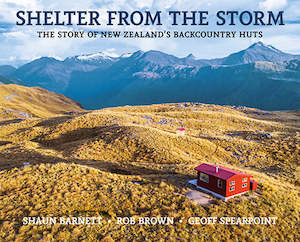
<point>194,182</point>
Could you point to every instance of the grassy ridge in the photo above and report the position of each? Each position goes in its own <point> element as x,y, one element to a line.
<point>140,143</point>
<point>22,102</point>
<point>143,136</point>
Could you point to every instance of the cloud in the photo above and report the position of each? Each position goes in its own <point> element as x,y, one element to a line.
<point>5,27</point>
<point>272,4</point>
<point>21,43</point>
<point>26,46</point>
<point>10,7</point>
<point>111,52</point>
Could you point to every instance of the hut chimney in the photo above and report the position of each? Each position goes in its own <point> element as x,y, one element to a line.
<point>217,169</point>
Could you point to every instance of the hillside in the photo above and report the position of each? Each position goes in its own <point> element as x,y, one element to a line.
<point>24,102</point>
<point>6,70</point>
<point>142,167</point>
<point>262,85</point>
<point>5,80</point>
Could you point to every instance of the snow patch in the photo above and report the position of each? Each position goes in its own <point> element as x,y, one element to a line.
<point>273,48</point>
<point>95,56</point>
<point>126,55</point>
<point>146,75</point>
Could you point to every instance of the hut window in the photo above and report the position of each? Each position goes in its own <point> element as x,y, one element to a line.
<point>204,177</point>
<point>245,179</point>
<point>220,183</point>
<point>244,185</point>
<point>232,183</point>
<point>232,188</point>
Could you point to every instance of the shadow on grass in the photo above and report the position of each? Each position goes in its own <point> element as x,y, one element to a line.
<point>107,133</point>
<point>16,159</point>
<point>11,121</point>
<point>53,121</point>
<point>49,122</point>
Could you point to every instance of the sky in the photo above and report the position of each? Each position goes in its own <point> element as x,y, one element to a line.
<point>20,44</point>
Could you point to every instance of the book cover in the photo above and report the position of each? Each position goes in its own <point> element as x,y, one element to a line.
<point>149,120</point>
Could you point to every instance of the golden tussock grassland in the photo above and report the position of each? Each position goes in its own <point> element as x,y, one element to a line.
<point>24,102</point>
<point>81,163</point>
<point>72,190</point>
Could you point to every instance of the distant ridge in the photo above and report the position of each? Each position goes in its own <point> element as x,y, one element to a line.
<point>7,70</point>
<point>258,52</point>
<point>260,76</point>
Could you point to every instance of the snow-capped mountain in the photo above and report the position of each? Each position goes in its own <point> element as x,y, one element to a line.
<point>243,78</point>
<point>257,52</point>
<point>94,59</point>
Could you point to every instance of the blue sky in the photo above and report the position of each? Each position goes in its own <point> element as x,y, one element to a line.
<point>19,44</point>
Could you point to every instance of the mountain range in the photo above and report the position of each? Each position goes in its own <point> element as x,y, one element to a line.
<point>260,76</point>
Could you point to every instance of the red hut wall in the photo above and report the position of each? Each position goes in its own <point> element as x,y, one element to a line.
<point>238,179</point>
<point>253,185</point>
<point>212,185</point>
